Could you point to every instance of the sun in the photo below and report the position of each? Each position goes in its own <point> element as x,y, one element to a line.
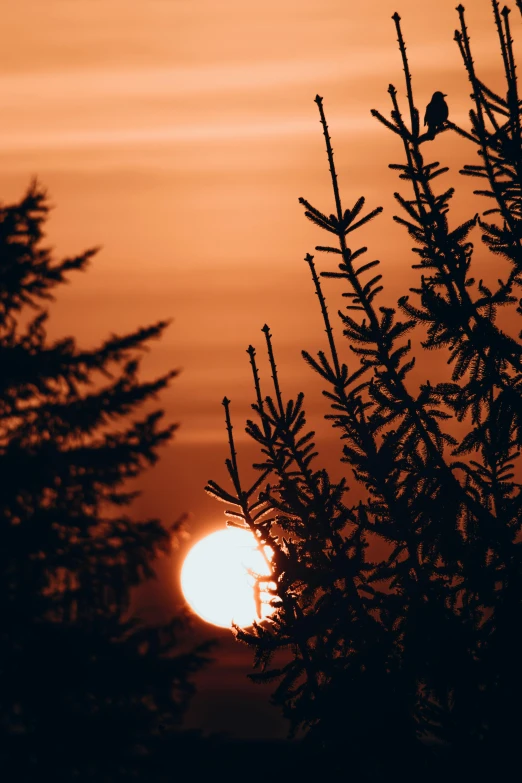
<point>218,579</point>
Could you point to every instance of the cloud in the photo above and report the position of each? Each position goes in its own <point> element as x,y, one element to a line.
<point>79,84</point>
<point>124,136</point>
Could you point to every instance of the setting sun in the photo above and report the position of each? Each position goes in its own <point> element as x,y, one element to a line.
<point>218,579</point>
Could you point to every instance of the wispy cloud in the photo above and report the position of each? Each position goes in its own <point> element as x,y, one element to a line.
<point>190,133</point>
<point>90,83</point>
<point>183,134</point>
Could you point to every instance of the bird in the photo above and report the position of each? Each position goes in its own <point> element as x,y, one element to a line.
<point>436,113</point>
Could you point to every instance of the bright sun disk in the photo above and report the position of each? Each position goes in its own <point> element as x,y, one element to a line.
<point>218,578</point>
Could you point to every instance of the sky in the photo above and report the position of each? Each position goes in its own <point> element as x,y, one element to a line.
<point>179,135</point>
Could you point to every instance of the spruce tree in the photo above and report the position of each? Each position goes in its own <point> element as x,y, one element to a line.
<point>88,693</point>
<point>422,642</point>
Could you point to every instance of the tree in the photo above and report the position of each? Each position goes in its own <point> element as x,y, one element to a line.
<point>423,641</point>
<point>87,692</point>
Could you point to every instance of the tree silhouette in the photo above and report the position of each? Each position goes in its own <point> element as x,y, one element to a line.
<point>422,642</point>
<point>87,692</point>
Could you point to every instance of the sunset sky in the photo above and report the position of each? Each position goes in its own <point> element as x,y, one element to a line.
<point>179,135</point>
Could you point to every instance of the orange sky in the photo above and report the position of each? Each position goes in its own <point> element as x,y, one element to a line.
<point>179,134</point>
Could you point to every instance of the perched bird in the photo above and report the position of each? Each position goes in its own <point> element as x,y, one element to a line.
<point>436,113</point>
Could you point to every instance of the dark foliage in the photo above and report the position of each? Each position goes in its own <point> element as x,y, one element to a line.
<point>87,692</point>
<point>423,643</point>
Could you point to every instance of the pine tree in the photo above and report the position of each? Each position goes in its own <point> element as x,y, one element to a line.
<point>88,693</point>
<point>424,641</point>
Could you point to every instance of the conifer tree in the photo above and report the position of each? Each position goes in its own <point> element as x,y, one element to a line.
<point>424,641</point>
<point>88,693</point>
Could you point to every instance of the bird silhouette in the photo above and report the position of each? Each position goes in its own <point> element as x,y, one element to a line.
<point>436,113</point>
